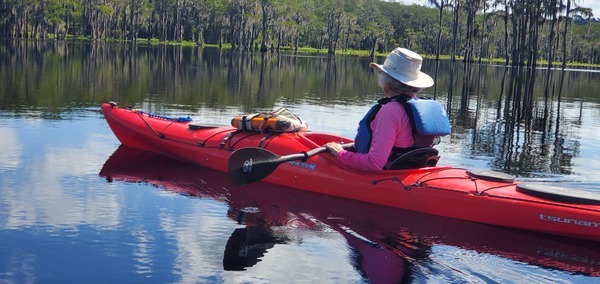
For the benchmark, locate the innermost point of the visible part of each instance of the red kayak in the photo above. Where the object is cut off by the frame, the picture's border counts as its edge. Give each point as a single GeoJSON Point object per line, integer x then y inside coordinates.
{"type": "Point", "coordinates": [294, 159]}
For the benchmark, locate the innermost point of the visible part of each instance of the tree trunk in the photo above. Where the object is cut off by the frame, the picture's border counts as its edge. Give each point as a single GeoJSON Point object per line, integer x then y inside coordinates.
{"type": "Point", "coordinates": [200, 40]}
{"type": "Point", "coordinates": [373, 47]}
{"type": "Point", "coordinates": [469, 36]}
{"type": "Point", "coordinates": [265, 26]}
{"type": "Point", "coordinates": [505, 17]}
{"type": "Point", "coordinates": [131, 27]}
{"type": "Point", "coordinates": [455, 29]}
{"type": "Point", "coordinates": [242, 26]}
{"type": "Point", "coordinates": [439, 35]}
{"type": "Point", "coordinates": [333, 30]}
{"type": "Point", "coordinates": [567, 21]}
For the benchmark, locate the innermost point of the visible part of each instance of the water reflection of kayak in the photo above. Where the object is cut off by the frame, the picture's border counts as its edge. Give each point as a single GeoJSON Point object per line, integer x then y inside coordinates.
{"type": "Point", "coordinates": [378, 234]}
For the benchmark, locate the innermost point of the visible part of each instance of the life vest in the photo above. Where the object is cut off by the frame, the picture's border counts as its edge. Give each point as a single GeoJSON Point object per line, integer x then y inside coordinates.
{"type": "Point", "coordinates": [427, 118]}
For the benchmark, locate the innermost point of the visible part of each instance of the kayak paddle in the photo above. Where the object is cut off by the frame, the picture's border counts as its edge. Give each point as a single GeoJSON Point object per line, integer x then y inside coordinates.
{"type": "Point", "coordinates": [248, 165]}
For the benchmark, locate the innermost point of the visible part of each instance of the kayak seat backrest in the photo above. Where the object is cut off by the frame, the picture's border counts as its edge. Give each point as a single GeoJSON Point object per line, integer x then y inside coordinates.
{"type": "Point", "coordinates": [418, 158]}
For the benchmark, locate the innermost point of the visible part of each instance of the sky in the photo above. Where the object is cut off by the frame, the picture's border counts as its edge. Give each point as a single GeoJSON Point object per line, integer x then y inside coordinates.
{"type": "Point", "coordinates": [594, 4]}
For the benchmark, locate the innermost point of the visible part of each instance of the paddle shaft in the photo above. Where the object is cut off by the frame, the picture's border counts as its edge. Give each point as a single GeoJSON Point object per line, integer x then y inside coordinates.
{"type": "Point", "coordinates": [303, 156]}
{"type": "Point", "coordinates": [248, 165]}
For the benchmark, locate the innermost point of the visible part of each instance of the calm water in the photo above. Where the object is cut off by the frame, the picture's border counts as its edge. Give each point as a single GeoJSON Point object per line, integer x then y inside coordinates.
{"type": "Point", "coordinates": [79, 208]}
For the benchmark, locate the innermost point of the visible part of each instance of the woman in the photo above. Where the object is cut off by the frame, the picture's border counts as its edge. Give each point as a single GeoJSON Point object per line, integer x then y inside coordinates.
{"type": "Point", "coordinates": [399, 77]}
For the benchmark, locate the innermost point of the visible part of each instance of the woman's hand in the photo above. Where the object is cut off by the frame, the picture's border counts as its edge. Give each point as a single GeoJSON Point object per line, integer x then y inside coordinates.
{"type": "Point", "coordinates": [334, 148]}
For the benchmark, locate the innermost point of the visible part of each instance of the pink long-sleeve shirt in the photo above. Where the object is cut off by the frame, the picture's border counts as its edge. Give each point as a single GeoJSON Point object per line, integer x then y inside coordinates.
{"type": "Point", "coordinates": [391, 128]}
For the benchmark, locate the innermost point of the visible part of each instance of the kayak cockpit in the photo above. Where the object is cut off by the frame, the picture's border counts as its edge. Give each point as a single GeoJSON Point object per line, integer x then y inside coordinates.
{"type": "Point", "coordinates": [561, 194]}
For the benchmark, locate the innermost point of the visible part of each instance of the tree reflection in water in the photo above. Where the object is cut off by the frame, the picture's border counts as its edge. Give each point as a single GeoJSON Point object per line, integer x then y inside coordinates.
{"type": "Point", "coordinates": [524, 133]}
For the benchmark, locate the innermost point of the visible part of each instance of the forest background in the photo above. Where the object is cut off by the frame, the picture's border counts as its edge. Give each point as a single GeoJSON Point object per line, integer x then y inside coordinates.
{"type": "Point", "coordinates": [513, 32]}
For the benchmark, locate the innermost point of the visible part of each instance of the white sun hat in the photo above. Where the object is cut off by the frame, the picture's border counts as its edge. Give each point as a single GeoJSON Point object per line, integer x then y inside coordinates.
{"type": "Point", "coordinates": [405, 66]}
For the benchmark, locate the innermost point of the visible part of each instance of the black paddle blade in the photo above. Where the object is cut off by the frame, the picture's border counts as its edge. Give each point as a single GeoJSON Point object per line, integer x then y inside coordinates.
{"type": "Point", "coordinates": [248, 165]}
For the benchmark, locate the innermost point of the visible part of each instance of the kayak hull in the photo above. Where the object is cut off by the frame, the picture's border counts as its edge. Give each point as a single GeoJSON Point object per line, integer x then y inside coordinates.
{"type": "Point", "coordinates": [441, 190]}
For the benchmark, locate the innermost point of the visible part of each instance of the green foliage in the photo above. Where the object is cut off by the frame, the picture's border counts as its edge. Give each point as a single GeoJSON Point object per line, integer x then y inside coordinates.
{"type": "Point", "coordinates": [337, 26]}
